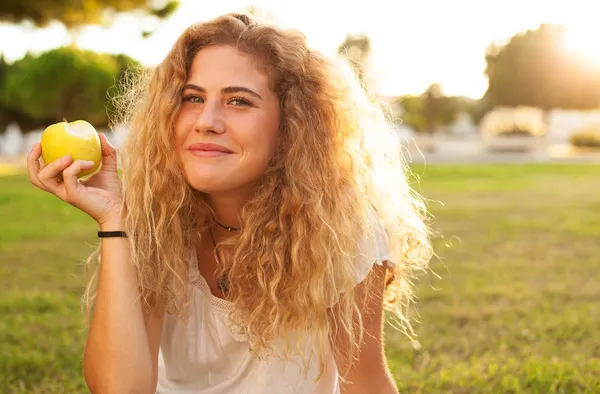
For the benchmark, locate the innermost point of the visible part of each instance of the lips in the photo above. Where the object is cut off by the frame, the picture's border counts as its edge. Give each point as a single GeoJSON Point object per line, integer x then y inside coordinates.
{"type": "Point", "coordinates": [208, 150]}
{"type": "Point", "coordinates": [204, 147]}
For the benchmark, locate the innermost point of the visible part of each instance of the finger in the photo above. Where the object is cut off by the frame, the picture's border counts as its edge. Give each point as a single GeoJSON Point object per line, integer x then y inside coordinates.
{"type": "Point", "coordinates": [70, 179]}
{"type": "Point", "coordinates": [49, 175]}
{"type": "Point", "coordinates": [88, 181]}
{"type": "Point", "coordinates": [42, 163]}
{"type": "Point", "coordinates": [109, 154]}
{"type": "Point", "coordinates": [33, 165]}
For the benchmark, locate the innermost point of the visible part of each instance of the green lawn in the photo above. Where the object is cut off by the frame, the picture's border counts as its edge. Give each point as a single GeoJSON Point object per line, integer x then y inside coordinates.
{"type": "Point", "coordinates": [516, 307]}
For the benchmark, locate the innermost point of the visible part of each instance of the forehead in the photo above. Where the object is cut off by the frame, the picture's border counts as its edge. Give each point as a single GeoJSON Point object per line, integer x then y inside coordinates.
{"type": "Point", "coordinates": [226, 65]}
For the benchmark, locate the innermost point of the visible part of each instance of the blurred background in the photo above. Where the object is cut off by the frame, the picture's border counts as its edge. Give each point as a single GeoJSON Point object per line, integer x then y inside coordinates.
{"type": "Point", "coordinates": [497, 106]}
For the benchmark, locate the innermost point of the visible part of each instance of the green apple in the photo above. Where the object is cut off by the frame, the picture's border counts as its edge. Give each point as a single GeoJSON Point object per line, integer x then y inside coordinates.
{"type": "Point", "coordinates": [78, 139]}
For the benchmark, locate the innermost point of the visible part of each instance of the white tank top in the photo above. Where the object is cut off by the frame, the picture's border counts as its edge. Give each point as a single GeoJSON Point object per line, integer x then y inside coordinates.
{"type": "Point", "coordinates": [207, 354]}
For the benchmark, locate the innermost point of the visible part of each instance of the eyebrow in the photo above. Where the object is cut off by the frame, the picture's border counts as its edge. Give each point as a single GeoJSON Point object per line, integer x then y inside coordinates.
{"type": "Point", "coordinates": [228, 89]}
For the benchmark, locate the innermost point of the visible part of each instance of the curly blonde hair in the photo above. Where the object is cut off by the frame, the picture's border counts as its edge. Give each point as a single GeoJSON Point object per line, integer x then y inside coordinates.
{"type": "Point", "coordinates": [299, 247]}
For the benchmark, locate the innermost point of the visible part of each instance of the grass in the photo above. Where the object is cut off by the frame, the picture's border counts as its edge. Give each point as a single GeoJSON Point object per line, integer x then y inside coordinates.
{"type": "Point", "coordinates": [43, 244]}
{"type": "Point", "coordinates": [515, 308]}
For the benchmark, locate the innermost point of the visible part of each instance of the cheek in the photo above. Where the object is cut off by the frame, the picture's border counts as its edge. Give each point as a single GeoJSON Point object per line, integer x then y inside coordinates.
{"type": "Point", "coordinates": [183, 124]}
{"type": "Point", "coordinates": [271, 130]}
{"type": "Point", "coordinates": [262, 140]}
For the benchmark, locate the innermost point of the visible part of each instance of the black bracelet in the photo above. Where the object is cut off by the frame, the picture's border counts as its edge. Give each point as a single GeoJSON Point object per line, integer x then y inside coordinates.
{"type": "Point", "coordinates": [107, 234]}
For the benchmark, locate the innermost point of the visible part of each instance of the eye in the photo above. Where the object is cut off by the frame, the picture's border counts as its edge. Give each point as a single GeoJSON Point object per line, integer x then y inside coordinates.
{"type": "Point", "coordinates": [193, 99]}
{"type": "Point", "coordinates": [240, 102]}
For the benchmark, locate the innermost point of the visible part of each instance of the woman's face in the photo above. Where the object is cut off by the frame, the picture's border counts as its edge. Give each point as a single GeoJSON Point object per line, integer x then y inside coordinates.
{"type": "Point", "coordinates": [227, 102]}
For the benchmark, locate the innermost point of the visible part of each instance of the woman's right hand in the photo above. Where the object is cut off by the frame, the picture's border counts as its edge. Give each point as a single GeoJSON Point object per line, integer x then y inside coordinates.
{"type": "Point", "coordinates": [99, 195]}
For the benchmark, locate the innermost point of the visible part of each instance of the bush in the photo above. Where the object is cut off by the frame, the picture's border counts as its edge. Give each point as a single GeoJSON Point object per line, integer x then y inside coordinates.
{"type": "Point", "coordinates": [62, 83]}
{"type": "Point", "coordinates": [587, 137]}
{"type": "Point", "coordinates": [516, 139]}
{"type": "Point", "coordinates": [515, 132]}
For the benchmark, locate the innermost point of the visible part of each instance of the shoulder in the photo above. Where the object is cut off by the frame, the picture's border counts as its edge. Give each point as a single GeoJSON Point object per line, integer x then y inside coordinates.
{"type": "Point", "coordinates": [374, 248]}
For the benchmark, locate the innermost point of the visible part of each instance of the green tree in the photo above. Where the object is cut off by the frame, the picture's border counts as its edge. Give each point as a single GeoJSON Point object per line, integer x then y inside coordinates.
{"type": "Point", "coordinates": [412, 112]}
{"type": "Point", "coordinates": [63, 83]}
{"type": "Point", "coordinates": [430, 110]}
{"type": "Point", "coordinates": [532, 69]}
{"type": "Point", "coordinates": [9, 114]}
{"type": "Point", "coordinates": [433, 102]}
{"type": "Point", "coordinates": [74, 13]}
{"type": "Point", "coordinates": [357, 48]}
{"type": "Point", "coordinates": [4, 113]}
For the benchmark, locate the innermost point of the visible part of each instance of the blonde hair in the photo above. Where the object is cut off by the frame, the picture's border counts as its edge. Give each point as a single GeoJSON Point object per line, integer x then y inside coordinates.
{"type": "Point", "coordinates": [299, 247]}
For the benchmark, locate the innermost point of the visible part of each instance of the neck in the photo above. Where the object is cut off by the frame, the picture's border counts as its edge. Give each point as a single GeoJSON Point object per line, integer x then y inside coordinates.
{"type": "Point", "coordinates": [227, 208]}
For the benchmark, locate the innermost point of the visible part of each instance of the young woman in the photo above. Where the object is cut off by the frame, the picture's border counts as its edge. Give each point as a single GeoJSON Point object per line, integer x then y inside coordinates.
{"type": "Point", "coordinates": [262, 224]}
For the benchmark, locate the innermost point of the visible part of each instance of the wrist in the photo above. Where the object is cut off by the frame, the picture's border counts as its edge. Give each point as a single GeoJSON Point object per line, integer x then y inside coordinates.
{"type": "Point", "coordinates": [111, 225]}
{"type": "Point", "coordinates": [112, 234]}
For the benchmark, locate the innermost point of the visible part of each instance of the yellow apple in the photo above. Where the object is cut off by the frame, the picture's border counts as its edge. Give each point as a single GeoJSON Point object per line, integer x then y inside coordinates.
{"type": "Point", "coordinates": [78, 139]}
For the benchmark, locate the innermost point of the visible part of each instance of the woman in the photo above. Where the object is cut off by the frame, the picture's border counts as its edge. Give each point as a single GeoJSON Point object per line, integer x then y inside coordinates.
{"type": "Point", "coordinates": [262, 224]}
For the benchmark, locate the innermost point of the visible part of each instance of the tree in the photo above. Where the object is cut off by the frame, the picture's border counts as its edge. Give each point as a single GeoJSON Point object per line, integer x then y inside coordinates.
{"type": "Point", "coordinates": [412, 112]}
{"type": "Point", "coordinates": [533, 70]}
{"type": "Point", "coordinates": [8, 114]}
{"type": "Point", "coordinates": [62, 83]}
{"type": "Point", "coordinates": [357, 48]}
{"type": "Point", "coordinates": [74, 13]}
{"type": "Point", "coordinates": [433, 106]}
{"type": "Point", "coordinates": [430, 110]}
{"type": "Point", "coordinates": [4, 115]}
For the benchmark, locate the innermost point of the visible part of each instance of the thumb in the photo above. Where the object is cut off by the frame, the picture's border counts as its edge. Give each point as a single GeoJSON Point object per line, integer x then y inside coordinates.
{"type": "Point", "coordinates": [109, 154]}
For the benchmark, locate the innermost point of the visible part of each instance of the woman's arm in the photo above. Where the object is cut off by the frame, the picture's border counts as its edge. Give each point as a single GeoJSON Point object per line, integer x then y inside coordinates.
{"type": "Point", "coordinates": [121, 352]}
{"type": "Point", "coordinates": [370, 373]}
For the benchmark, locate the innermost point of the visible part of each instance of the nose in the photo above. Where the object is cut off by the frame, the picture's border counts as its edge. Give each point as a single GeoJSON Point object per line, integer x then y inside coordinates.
{"type": "Point", "coordinates": [210, 119]}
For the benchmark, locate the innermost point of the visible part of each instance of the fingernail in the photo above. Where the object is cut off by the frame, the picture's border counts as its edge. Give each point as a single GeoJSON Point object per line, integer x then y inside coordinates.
{"type": "Point", "coordinates": [65, 158]}
{"type": "Point", "coordinates": [88, 163]}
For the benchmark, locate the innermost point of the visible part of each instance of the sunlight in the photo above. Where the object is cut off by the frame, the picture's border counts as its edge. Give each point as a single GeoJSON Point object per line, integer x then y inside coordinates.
{"type": "Point", "coordinates": [583, 43]}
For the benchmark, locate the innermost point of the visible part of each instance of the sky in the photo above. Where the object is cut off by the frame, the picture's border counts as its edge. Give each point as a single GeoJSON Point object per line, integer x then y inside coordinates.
{"type": "Point", "coordinates": [414, 43]}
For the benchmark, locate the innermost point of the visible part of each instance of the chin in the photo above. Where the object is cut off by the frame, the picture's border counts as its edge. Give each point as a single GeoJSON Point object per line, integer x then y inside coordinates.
{"type": "Point", "coordinates": [216, 185]}
{"type": "Point", "coordinates": [213, 183]}
{"type": "Point", "coordinates": [209, 187]}
{"type": "Point", "coordinates": [207, 179]}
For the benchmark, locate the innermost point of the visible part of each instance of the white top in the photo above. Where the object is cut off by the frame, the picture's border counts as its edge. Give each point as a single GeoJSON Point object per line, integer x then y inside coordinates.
{"type": "Point", "coordinates": [206, 354]}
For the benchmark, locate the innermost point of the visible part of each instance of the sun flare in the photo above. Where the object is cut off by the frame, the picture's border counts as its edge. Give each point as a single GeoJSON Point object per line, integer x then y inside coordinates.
{"type": "Point", "coordinates": [584, 43]}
